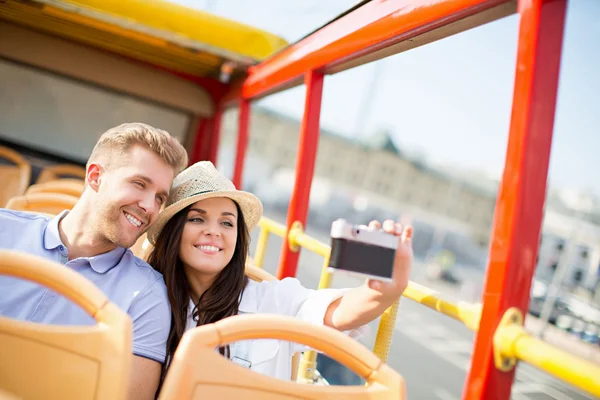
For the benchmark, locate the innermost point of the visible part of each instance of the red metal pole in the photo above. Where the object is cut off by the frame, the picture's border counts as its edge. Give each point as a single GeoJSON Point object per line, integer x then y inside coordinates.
{"type": "Point", "coordinates": [242, 144]}
{"type": "Point", "coordinates": [213, 151]}
{"type": "Point", "coordinates": [305, 164]}
{"type": "Point", "coordinates": [519, 208]}
{"type": "Point", "coordinates": [199, 141]}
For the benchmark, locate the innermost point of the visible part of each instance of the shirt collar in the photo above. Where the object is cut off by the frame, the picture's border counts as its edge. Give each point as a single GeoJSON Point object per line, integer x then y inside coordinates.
{"type": "Point", "coordinates": [51, 235]}
{"type": "Point", "coordinates": [100, 263]}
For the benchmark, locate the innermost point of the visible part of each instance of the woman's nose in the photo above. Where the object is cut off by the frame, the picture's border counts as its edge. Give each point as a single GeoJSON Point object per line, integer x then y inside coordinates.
{"type": "Point", "coordinates": [211, 230]}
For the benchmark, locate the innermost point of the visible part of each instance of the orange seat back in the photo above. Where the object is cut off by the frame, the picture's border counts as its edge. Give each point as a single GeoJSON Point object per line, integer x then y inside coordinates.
{"type": "Point", "coordinates": [47, 203]}
{"type": "Point", "coordinates": [71, 187]}
{"type": "Point", "coordinates": [64, 362]}
{"type": "Point", "coordinates": [14, 178]}
{"type": "Point", "coordinates": [141, 247]}
{"type": "Point", "coordinates": [258, 274]}
{"type": "Point", "coordinates": [61, 171]}
{"type": "Point", "coordinates": [199, 372]}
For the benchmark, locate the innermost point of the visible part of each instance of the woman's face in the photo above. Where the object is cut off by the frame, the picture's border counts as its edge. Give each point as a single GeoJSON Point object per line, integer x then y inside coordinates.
{"type": "Point", "coordinates": [209, 236]}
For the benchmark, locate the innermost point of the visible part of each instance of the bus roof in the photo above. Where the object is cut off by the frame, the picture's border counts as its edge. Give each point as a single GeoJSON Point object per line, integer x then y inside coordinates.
{"type": "Point", "coordinates": [157, 32]}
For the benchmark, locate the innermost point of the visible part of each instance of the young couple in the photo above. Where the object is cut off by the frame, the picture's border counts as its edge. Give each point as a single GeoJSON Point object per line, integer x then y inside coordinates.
{"type": "Point", "coordinates": [195, 272]}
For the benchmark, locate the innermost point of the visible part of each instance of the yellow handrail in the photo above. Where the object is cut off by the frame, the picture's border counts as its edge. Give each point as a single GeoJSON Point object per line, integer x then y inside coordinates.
{"type": "Point", "coordinates": [467, 313]}
{"type": "Point", "coordinates": [511, 341]}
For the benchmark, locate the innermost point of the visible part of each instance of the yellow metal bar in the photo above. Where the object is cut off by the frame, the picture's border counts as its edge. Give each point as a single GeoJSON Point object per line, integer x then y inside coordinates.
{"type": "Point", "coordinates": [326, 277]}
{"type": "Point", "coordinates": [385, 332]}
{"type": "Point", "coordinates": [512, 341]}
{"type": "Point", "coordinates": [307, 367]}
{"type": "Point", "coordinates": [467, 313]}
{"type": "Point", "coordinates": [261, 247]}
{"type": "Point", "coordinates": [273, 227]}
{"type": "Point", "coordinates": [303, 240]}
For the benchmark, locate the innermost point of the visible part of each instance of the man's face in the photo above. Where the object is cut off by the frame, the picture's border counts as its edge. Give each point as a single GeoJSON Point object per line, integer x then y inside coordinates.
{"type": "Point", "coordinates": [130, 195]}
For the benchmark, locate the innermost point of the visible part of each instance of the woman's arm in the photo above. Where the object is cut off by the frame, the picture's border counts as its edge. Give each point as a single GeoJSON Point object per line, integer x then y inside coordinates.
{"type": "Point", "coordinates": [363, 304]}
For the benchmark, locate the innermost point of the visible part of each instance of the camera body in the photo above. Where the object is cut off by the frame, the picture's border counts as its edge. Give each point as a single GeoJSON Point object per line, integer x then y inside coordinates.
{"type": "Point", "coordinates": [361, 251]}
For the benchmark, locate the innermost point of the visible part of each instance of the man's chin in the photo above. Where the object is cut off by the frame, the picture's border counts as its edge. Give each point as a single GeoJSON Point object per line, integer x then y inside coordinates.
{"type": "Point", "coordinates": [127, 243]}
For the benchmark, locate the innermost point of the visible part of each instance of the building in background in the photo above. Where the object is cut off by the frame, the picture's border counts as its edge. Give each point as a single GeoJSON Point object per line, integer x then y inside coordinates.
{"type": "Point", "coordinates": [373, 178]}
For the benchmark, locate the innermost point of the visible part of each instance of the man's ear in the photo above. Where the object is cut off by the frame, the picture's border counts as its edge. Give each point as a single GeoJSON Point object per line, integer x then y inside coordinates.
{"type": "Point", "coordinates": [93, 175]}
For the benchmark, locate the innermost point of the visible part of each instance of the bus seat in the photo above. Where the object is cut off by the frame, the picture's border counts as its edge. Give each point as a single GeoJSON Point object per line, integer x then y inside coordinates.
{"type": "Point", "coordinates": [14, 176]}
{"type": "Point", "coordinates": [141, 248]}
{"type": "Point", "coordinates": [198, 372]}
{"type": "Point", "coordinates": [61, 171]}
{"type": "Point", "coordinates": [4, 395]}
{"type": "Point", "coordinates": [64, 362]}
{"type": "Point", "coordinates": [71, 187]}
{"type": "Point", "coordinates": [258, 274]}
{"type": "Point", "coordinates": [48, 203]}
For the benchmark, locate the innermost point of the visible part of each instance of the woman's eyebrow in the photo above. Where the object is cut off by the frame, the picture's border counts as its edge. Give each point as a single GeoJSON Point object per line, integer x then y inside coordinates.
{"type": "Point", "coordinates": [224, 213]}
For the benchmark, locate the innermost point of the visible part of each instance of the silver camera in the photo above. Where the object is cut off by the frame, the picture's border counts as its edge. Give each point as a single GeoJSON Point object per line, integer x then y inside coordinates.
{"type": "Point", "coordinates": [362, 251]}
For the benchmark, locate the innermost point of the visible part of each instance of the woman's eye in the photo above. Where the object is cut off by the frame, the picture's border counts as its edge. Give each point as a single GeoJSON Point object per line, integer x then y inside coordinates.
{"type": "Point", "coordinates": [140, 184]}
{"type": "Point", "coordinates": [195, 220]}
{"type": "Point", "coordinates": [228, 224]}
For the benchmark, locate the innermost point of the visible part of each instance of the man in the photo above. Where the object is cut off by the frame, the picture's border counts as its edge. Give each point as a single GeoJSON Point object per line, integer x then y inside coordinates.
{"type": "Point", "coordinates": [128, 177]}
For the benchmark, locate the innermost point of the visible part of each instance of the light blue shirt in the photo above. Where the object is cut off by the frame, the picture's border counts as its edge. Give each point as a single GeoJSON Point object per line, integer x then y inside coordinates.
{"type": "Point", "coordinates": [127, 281]}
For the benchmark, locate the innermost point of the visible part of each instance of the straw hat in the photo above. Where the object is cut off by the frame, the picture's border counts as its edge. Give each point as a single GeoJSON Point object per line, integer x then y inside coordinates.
{"type": "Point", "coordinates": [202, 181]}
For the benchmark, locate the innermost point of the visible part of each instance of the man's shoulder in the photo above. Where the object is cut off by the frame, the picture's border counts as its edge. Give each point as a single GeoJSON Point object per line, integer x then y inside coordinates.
{"type": "Point", "coordinates": [17, 225]}
{"type": "Point", "coordinates": [21, 217]}
{"type": "Point", "coordinates": [144, 274]}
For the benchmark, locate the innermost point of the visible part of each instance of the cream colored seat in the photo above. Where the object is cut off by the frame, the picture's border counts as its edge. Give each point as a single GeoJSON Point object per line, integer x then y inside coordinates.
{"type": "Point", "coordinates": [141, 248]}
{"type": "Point", "coordinates": [198, 372]}
{"type": "Point", "coordinates": [14, 178]}
{"type": "Point", "coordinates": [4, 395]}
{"type": "Point", "coordinates": [61, 171]}
{"type": "Point", "coordinates": [48, 203]}
{"type": "Point", "coordinates": [71, 187]}
{"type": "Point", "coordinates": [258, 274]}
{"type": "Point", "coordinates": [64, 362]}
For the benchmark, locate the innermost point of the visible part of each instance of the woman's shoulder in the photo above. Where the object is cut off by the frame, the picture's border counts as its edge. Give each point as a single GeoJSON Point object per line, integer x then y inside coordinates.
{"type": "Point", "coordinates": [272, 291]}
{"type": "Point", "coordinates": [273, 284]}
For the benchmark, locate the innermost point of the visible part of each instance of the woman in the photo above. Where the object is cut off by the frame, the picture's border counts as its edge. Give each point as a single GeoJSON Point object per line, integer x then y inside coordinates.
{"type": "Point", "coordinates": [201, 243]}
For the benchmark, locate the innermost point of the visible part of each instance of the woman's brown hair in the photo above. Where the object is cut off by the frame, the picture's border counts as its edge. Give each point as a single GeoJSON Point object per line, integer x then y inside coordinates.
{"type": "Point", "coordinates": [220, 301]}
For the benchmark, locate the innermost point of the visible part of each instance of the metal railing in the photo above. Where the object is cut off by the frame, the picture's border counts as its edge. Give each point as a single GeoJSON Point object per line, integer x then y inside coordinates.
{"type": "Point", "coordinates": [511, 341]}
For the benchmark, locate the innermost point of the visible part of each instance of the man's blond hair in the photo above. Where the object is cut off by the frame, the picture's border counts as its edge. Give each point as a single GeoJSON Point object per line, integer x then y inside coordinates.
{"type": "Point", "coordinates": [114, 144]}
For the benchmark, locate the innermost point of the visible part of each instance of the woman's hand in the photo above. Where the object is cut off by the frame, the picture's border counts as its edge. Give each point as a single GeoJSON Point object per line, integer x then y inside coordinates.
{"type": "Point", "coordinates": [402, 261]}
{"type": "Point", "coordinates": [363, 304]}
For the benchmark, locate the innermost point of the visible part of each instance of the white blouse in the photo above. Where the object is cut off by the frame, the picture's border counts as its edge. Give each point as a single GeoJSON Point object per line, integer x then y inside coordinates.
{"type": "Point", "coordinates": [286, 297]}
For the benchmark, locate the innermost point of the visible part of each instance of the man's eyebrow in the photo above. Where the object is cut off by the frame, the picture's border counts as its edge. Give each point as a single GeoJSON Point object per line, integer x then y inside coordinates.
{"type": "Point", "coordinates": [143, 177]}
{"type": "Point", "coordinates": [149, 181]}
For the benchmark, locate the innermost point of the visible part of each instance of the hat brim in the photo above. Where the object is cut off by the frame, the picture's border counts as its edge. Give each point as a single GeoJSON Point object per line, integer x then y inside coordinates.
{"type": "Point", "coordinates": [250, 205]}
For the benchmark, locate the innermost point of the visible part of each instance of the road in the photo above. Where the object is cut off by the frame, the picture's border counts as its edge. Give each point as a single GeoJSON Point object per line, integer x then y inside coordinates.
{"type": "Point", "coordinates": [431, 351]}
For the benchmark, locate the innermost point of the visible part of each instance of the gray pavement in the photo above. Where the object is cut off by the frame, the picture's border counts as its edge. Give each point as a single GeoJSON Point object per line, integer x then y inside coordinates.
{"type": "Point", "coordinates": [431, 351]}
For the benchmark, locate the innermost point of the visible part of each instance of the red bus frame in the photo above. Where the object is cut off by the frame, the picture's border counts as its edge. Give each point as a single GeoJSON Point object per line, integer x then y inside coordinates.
{"type": "Point", "coordinates": [382, 28]}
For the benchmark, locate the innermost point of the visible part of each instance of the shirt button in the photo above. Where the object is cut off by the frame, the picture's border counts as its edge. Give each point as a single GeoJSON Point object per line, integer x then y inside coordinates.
{"type": "Point", "coordinates": [61, 248]}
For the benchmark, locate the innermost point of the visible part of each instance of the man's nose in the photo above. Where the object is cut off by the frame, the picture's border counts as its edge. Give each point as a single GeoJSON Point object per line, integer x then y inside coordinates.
{"type": "Point", "coordinates": [149, 206]}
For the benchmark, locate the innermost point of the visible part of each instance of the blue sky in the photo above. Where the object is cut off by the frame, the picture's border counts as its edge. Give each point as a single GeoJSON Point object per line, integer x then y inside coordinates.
{"type": "Point", "coordinates": [451, 100]}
